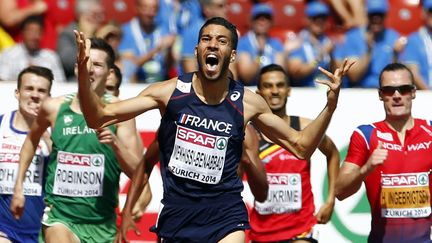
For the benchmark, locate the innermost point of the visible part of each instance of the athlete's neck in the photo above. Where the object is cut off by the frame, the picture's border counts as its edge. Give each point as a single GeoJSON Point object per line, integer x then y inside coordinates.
{"type": "Point", "coordinates": [22, 122]}
{"type": "Point", "coordinates": [400, 125]}
{"type": "Point", "coordinates": [211, 92]}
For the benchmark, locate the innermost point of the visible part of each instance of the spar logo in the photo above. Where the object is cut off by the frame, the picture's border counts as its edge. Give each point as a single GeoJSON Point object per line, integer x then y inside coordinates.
{"type": "Point", "coordinates": [423, 179]}
{"type": "Point", "coordinates": [277, 179]}
{"type": "Point", "coordinates": [80, 159]}
{"type": "Point", "coordinates": [399, 180]}
{"type": "Point", "coordinates": [294, 179]}
{"type": "Point", "coordinates": [97, 160]}
{"type": "Point", "coordinates": [351, 217]}
{"type": "Point", "coordinates": [221, 143]}
{"type": "Point", "coordinates": [9, 157]}
{"type": "Point", "coordinates": [283, 179]}
{"type": "Point", "coordinates": [74, 159]}
{"type": "Point", "coordinates": [198, 138]}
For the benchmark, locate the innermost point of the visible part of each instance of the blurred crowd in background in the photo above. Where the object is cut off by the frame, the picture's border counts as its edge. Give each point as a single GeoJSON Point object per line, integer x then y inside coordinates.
{"type": "Point", "coordinates": [155, 39]}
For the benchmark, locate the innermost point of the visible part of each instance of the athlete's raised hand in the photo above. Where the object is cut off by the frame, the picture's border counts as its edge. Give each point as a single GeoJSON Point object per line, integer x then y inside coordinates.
{"type": "Point", "coordinates": [334, 81]}
{"type": "Point", "coordinates": [83, 55]}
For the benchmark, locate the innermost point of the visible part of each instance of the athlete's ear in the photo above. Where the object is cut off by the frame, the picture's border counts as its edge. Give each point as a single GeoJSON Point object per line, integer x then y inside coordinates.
{"type": "Point", "coordinates": [379, 95]}
{"type": "Point", "coordinates": [233, 55]}
{"type": "Point", "coordinates": [258, 91]}
{"type": "Point", "coordinates": [288, 91]}
{"type": "Point", "coordinates": [413, 94]}
{"type": "Point", "coordinates": [195, 51]}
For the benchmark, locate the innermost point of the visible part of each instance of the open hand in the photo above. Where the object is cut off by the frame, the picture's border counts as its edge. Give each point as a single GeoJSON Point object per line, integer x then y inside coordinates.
{"type": "Point", "coordinates": [334, 81]}
{"type": "Point", "coordinates": [126, 225]}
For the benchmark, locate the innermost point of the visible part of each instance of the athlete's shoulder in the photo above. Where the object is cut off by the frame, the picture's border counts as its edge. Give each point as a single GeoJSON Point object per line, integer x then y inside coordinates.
{"type": "Point", "coordinates": [52, 104]}
{"type": "Point", "coordinates": [423, 121]}
{"type": "Point", "coordinates": [365, 128]}
{"type": "Point", "coordinates": [160, 89]}
{"type": "Point", "coordinates": [254, 101]}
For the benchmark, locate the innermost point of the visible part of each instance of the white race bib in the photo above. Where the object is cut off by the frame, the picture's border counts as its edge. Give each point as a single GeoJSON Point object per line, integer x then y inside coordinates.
{"type": "Point", "coordinates": [9, 170]}
{"type": "Point", "coordinates": [79, 175]}
{"type": "Point", "coordinates": [284, 195]}
{"type": "Point", "coordinates": [198, 156]}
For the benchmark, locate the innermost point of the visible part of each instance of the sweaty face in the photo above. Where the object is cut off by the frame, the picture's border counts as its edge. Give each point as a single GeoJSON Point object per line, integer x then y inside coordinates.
{"type": "Point", "coordinates": [99, 70]}
{"type": "Point", "coordinates": [33, 90]}
{"type": "Point", "coordinates": [214, 51]}
{"type": "Point", "coordinates": [274, 89]}
{"type": "Point", "coordinates": [396, 94]}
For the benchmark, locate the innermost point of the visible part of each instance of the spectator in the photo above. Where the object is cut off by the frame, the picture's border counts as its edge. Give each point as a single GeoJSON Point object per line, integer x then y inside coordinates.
{"type": "Point", "coordinates": [210, 9]}
{"type": "Point", "coordinates": [145, 50]}
{"type": "Point", "coordinates": [256, 48]}
{"type": "Point", "coordinates": [372, 47]}
{"type": "Point", "coordinates": [315, 50]}
{"type": "Point", "coordinates": [89, 17]}
{"type": "Point", "coordinates": [418, 52]}
{"type": "Point", "coordinates": [14, 12]}
{"type": "Point", "coordinates": [29, 53]}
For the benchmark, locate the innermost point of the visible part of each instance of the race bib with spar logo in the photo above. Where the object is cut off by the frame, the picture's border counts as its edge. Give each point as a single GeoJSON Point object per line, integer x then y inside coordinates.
{"type": "Point", "coordinates": [79, 175]}
{"type": "Point", "coordinates": [9, 170]}
{"type": "Point", "coordinates": [405, 195]}
{"type": "Point", "coordinates": [198, 156]}
{"type": "Point", "coordinates": [284, 195]}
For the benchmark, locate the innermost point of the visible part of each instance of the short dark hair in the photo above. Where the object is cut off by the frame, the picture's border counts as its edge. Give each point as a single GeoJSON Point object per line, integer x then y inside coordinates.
{"type": "Point", "coordinates": [33, 19]}
{"type": "Point", "coordinates": [396, 67]}
{"type": "Point", "coordinates": [225, 23]}
{"type": "Point", "coordinates": [102, 45]}
{"type": "Point", "coordinates": [39, 71]}
{"type": "Point", "coordinates": [118, 74]}
{"type": "Point", "coordinates": [272, 68]}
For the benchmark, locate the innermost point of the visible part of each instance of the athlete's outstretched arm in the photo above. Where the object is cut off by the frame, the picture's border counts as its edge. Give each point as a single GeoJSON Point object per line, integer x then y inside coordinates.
{"type": "Point", "coordinates": [38, 128]}
{"type": "Point", "coordinates": [301, 143]}
{"type": "Point", "coordinates": [98, 114]}
{"type": "Point", "coordinates": [252, 165]}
